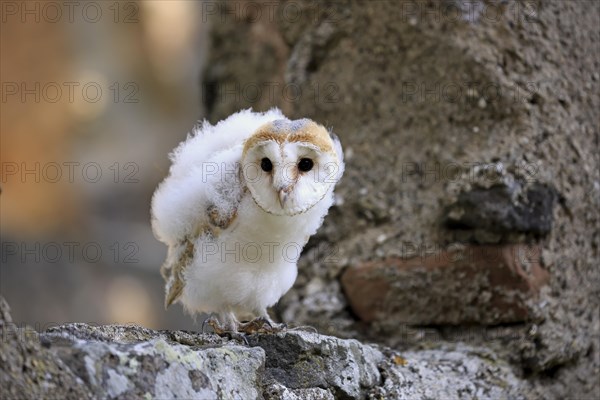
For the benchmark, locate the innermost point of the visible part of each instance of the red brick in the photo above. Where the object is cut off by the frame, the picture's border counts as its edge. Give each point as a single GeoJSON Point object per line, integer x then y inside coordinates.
{"type": "Point", "coordinates": [483, 284]}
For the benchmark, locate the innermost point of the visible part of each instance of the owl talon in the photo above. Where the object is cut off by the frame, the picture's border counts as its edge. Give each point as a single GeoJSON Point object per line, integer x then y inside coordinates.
{"type": "Point", "coordinates": [275, 327]}
{"type": "Point", "coordinates": [214, 323]}
{"type": "Point", "coordinates": [261, 325]}
{"type": "Point", "coordinates": [218, 328]}
{"type": "Point", "coordinates": [240, 337]}
{"type": "Point", "coordinates": [222, 331]}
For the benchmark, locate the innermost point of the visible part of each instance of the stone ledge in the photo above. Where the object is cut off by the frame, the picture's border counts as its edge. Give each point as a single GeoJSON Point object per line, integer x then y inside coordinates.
{"type": "Point", "coordinates": [116, 362]}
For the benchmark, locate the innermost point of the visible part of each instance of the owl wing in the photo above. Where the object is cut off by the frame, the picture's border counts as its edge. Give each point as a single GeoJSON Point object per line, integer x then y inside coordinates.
{"type": "Point", "coordinates": [178, 258]}
{"type": "Point", "coordinates": [217, 217]}
{"type": "Point", "coordinates": [180, 255]}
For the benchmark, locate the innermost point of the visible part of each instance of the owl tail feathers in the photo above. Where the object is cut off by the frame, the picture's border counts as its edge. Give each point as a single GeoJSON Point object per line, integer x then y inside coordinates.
{"type": "Point", "coordinates": [178, 258]}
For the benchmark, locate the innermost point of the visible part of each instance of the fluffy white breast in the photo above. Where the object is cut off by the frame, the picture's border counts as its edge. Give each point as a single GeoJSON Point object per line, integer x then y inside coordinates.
{"type": "Point", "coordinates": [252, 264]}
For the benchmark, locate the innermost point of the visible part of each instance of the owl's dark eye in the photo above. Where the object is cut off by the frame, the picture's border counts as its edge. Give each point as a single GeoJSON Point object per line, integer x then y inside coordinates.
{"type": "Point", "coordinates": [266, 165]}
{"type": "Point", "coordinates": [305, 164]}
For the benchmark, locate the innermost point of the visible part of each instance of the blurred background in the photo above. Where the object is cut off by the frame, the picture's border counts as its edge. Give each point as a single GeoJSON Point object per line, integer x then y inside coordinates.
{"type": "Point", "coordinates": [468, 126]}
{"type": "Point", "coordinates": [94, 96]}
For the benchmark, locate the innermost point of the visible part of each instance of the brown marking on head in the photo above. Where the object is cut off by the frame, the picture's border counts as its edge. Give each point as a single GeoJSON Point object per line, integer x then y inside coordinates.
{"type": "Point", "coordinates": [314, 134]}
{"type": "Point", "coordinates": [281, 131]}
{"type": "Point", "coordinates": [263, 134]}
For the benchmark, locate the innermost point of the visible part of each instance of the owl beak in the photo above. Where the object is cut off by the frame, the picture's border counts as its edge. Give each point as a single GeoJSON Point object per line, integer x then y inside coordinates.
{"type": "Point", "coordinates": [283, 197]}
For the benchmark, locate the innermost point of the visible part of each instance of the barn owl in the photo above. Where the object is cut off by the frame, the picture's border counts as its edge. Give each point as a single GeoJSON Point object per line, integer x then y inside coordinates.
{"type": "Point", "coordinates": [240, 202]}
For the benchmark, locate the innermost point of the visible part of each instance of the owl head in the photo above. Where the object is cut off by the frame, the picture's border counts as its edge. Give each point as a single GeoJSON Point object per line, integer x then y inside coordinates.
{"type": "Point", "coordinates": [289, 166]}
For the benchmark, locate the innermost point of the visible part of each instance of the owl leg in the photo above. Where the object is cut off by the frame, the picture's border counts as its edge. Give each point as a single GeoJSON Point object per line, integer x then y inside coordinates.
{"type": "Point", "coordinates": [225, 323]}
{"type": "Point", "coordinates": [274, 326]}
{"type": "Point", "coordinates": [262, 324]}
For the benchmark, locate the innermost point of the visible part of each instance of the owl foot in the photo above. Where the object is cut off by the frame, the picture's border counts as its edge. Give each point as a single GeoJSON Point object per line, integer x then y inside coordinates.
{"type": "Point", "coordinates": [214, 323]}
{"type": "Point", "coordinates": [240, 337]}
{"type": "Point", "coordinates": [222, 331]}
{"type": "Point", "coordinates": [261, 325]}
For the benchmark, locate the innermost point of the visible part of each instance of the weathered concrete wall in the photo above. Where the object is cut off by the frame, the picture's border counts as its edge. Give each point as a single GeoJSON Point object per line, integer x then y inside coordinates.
{"type": "Point", "coordinates": [464, 124]}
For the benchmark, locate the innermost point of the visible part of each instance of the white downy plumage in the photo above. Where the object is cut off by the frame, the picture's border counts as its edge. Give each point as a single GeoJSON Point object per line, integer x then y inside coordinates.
{"type": "Point", "coordinates": [242, 198]}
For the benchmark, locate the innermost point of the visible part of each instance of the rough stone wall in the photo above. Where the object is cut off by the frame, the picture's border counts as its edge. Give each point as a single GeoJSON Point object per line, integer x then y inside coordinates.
{"type": "Point", "coordinates": [465, 124]}
{"type": "Point", "coordinates": [80, 361]}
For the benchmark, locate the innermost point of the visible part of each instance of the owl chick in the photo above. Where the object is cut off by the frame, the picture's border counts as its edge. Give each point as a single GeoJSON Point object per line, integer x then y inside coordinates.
{"type": "Point", "coordinates": [241, 200]}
